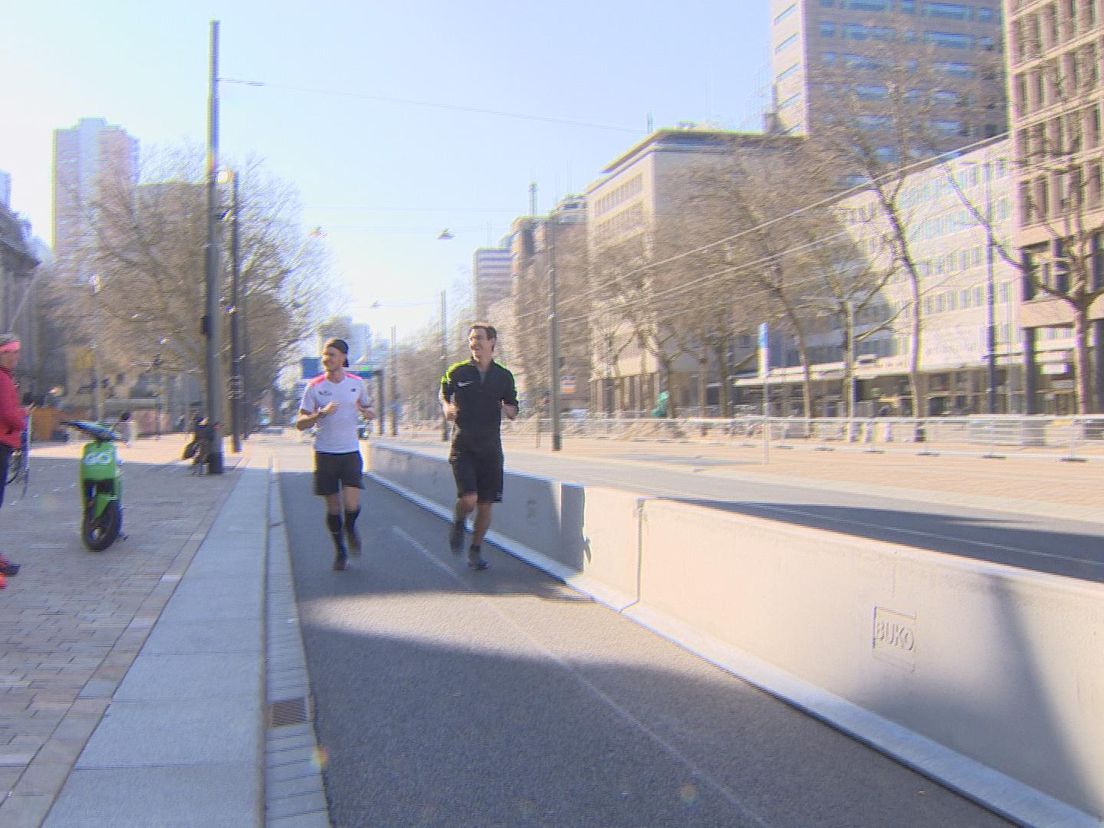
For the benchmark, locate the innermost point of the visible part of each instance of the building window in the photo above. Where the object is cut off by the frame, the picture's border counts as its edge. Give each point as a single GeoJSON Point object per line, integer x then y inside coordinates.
{"type": "Point", "coordinates": [856, 31]}
{"type": "Point", "coordinates": [958, 70]}
{"type": "Point", "coordinates": [870, 92]}
{"type": "Point", "coordinates": [873, 122]}
{"type": "Point", "coordinates": [947, 126]}
{"type": "Point", "coordinates": [827, 29]}
{"type": "Point", "coordinates": [785, 73]}
{"type": "Point", "coordinates": [789, 41]}
{"type": "Point", "coordinates": [782, 15]}
{"type": "Point", "coordinates": [790, 101]}
{"type": "Point", "coordinates": [949, 40]}
{"type": "Point", "coordinates": [951, 11]}
{"type": "Point", "coordinates": [1019, 94]}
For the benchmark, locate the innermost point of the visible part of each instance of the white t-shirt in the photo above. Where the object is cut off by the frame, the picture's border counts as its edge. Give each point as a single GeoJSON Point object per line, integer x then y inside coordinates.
{"type": "Point", "coordinates": [336, 433]}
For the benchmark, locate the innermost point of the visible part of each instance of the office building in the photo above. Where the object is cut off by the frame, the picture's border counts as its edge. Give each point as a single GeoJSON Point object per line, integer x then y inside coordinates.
{"type": "Point", "coordinates": [630, 210]}
{"type": "Point", "coordinates": [951, 51]}
{"type": "Point", "coordinates": [89, 159]}
{"type": "Point", "coordinates": [490, 278]}
{"type": "Point", "coordinates": [544, 248]}
{"type": "Point", "coordinates": [1057, 100]}
{"type": "Point", "coordinates": [962, 290]}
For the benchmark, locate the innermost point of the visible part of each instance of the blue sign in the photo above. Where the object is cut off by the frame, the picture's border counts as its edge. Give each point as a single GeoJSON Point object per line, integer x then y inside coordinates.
{"type": "Point", "coordinates": [310, 367]}
{"type": "Point", "coordinates": [764, 350]}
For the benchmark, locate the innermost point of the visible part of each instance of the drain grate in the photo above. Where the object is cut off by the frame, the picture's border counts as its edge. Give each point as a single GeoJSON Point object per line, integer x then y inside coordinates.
{"type": "Point", "coordinates": [287, 712]}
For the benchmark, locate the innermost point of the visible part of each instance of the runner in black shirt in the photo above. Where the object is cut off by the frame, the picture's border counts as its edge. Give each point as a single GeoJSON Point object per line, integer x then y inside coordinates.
{"type": "Point", "coordinates": [474, 395]}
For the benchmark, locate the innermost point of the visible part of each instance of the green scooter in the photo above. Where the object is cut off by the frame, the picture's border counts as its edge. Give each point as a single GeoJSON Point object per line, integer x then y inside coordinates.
{"type": "Point", "coordinates": [101, 484]}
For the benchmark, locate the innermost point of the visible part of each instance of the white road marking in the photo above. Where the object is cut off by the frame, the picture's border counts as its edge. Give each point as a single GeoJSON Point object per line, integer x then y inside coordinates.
{"type": "Point", "coordinates": [620, 711]}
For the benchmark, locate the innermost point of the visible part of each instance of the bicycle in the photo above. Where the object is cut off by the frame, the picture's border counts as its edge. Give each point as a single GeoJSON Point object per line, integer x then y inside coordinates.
{"type": "Point", "coordinates": [19, 465]}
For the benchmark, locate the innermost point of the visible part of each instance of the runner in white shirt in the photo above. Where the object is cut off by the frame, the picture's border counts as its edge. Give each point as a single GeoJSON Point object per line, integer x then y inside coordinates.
{"type": "Point", "coordinates": [334, 401]}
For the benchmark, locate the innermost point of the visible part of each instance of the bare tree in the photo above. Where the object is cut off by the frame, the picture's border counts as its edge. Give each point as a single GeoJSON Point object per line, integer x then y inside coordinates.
{"type": "Point", "coordinates": [146, 261]}
{"type": "Point", "coordinates": [916, 105]}
{"type": "Point", "coordinates": [626, 286]}
{"type": "Point", "coordinates": [752, 217]}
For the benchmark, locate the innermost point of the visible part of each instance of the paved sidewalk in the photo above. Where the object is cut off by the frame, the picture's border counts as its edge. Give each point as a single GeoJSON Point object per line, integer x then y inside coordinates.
{"type": "Point", "coordinates": [75, 622]}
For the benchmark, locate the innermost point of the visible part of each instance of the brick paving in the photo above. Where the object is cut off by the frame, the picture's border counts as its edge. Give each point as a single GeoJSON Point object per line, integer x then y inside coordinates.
{"type": "Point", "coordinates": [72, 621]}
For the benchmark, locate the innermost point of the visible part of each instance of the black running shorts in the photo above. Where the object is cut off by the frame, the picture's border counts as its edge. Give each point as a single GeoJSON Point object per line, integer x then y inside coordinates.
{"type": "Point", "coordinates": [479, 472]}
{"type": "Point", "coordinates": [331, 471]}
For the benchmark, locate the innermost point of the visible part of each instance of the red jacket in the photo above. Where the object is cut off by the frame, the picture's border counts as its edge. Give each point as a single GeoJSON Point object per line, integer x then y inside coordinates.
{"type": "Point", "coordinates": [13, 419]}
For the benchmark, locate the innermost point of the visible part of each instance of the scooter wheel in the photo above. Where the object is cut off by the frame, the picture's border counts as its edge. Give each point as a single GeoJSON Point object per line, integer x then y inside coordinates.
{"type": "Point", "coordinates": [99, 533]}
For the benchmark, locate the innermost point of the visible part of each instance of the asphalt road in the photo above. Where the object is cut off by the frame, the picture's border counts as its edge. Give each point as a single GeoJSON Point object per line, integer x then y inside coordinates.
{"type": "Point", "coordinates": [1054, 545]}
{"type": "Point", "coordinates": [447, 697]}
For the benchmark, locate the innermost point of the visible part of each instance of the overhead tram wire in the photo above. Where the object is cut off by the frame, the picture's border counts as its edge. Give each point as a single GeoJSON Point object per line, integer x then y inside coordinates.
{"type": "Point", "coordinates": [858, 189]}
{"type": "Point", "coordinates": [835, 197]}
{"type": "Point", "coordinates": [710, 277]}
{"type": "Point", "coordinates": [499, 113]}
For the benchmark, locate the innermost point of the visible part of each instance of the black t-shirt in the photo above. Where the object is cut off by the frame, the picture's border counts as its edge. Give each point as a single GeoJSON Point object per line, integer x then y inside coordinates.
{"type": "Point", "coordinates": [479, 399]}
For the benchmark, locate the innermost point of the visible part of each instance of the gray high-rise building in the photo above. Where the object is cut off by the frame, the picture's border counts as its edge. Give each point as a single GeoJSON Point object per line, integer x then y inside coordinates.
{"type": "Point", "coordinates": [824, 49]}
{"type": "Point", "coordinates": [491, 280]}
{"type": "Point", "coordinates": [87, 158]}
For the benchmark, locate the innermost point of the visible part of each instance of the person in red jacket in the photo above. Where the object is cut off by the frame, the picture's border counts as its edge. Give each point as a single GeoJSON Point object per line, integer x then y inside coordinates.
{"type": "Point", "coordinates": [13, 419]}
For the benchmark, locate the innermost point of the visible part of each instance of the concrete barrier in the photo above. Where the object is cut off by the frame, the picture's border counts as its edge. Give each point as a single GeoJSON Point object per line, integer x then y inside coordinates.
{"type": "Point", "coordinates": [586, 536]}
{"type": "Point", "coordinates": [987, 677]}
{"type": "Point", "coordinates": [1000, 665]}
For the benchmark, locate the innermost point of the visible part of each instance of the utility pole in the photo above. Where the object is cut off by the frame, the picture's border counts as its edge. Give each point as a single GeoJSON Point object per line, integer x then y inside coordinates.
{"type": "Point", "coordinates": [553, 335]}
{"type": "Point", "coordinates": [394, 386]}
{"type": "Point", "coordinates": [213, 319]}
{"type": "Point", "coordinates": [990, 323]}
{"type": "Point", "coordinates": [444, 363]}
{"type": "Point", "coordinates": [235, 323]}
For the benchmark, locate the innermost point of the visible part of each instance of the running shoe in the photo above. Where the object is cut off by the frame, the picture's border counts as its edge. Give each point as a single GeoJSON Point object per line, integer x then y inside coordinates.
{"type": "Point", "coordinates": [7, 567]}
{"type": "Point", "coordinates": [456, 537]}
{"type": "Point", "coordinates": [354, 541]}
{"type": "Point", "coordinates": [340, 560]}
{"type": "Point", "coordinates": [475, 560]}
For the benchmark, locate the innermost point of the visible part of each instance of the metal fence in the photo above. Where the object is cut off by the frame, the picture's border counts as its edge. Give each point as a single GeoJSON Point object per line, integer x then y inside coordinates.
{"type": "Point", "coordinates": [1068, 438]}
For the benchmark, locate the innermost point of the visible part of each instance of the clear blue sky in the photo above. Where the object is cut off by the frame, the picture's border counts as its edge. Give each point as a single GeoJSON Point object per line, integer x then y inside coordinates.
{"type": "Point", "coordinates": [341, 116]}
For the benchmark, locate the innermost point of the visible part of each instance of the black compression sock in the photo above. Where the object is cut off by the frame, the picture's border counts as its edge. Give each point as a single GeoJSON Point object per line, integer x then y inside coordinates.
{"type": "Point", "coordinates": [351, 519]}
{"type": "Point", "coordinates": [333, 522]}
